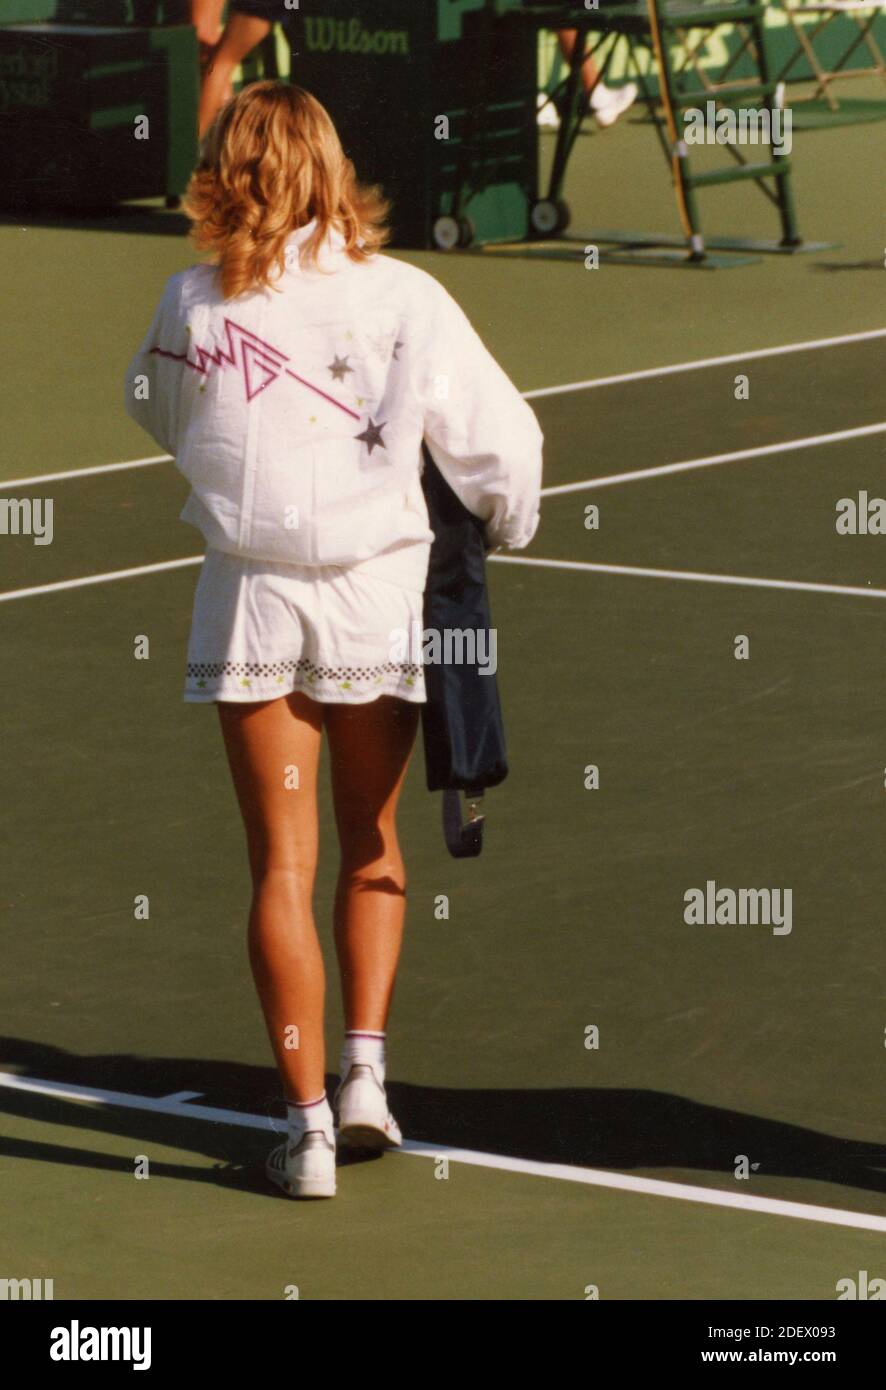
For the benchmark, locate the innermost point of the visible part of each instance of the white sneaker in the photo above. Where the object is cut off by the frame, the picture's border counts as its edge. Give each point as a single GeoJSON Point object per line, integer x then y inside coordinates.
{"type": "Point", "coordinates": [306, 1169]}
{"type": "Point", "coordinates": [614, 104]}
{"type": "Point", "coordinates": [548, 115]}
{"type": "Point", "coordinates": [364, 1120]}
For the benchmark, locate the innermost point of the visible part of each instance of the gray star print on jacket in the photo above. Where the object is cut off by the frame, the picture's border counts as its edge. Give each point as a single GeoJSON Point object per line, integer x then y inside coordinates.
{"type": "Point", "coordinates": [372, 435]}
{"type": "Point", "coordinates": [339, 368]}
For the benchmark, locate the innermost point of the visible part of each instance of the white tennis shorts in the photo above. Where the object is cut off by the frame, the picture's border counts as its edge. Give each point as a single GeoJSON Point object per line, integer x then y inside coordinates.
{"type": "Point", "coordinates": [261, 630]}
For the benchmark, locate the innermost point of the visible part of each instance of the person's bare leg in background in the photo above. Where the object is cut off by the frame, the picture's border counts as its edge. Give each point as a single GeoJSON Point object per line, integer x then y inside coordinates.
{"type": "Point", "coordinates": [241, 35]}
{"type": "Point", "coordinates": [607, 103]}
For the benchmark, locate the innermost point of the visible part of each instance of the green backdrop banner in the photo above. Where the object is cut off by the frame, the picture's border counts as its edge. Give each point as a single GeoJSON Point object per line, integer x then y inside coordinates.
{"type": "Point", "coordinates": [830, 45]}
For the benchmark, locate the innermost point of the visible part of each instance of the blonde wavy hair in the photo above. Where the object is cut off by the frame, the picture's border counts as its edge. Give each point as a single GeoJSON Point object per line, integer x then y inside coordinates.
{"type": "Point", "coordinates": [270, 163]}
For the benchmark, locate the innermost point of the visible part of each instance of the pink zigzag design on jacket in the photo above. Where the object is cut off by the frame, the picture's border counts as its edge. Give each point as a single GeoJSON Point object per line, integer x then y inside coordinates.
{"type": "Point", "coordinates": [260, 363]}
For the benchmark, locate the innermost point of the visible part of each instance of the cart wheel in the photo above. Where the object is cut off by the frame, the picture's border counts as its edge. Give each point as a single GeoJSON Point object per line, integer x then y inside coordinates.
{"type": "Point", "coordinates": [449, 232]}
{"type": "Point", "coordinates": [548, 217]}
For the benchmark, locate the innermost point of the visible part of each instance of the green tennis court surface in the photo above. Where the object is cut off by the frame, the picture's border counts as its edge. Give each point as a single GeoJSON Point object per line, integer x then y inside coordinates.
{"type": "Point", "coordinates": [126, 1038]}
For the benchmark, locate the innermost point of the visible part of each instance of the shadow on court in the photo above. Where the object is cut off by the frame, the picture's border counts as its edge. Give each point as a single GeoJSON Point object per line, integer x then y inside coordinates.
{"type": "Point", "coordinates": [612, 1128]}
{"type": "Point", "coordinates": [137, 219]}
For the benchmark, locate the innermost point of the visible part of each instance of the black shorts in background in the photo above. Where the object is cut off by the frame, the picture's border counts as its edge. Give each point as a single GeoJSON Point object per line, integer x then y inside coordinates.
{"type": "Point", "coordinates": [272, 10]}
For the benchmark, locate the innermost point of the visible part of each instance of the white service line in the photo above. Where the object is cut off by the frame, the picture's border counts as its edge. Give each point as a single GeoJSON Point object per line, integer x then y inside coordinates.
{"type": "Point", "coordinates": [61, 584]}
{"type": "Point", "coordinates": [643, 375]}
{"type": "Point", "coordinates": [636, 474]}
{"type": "Point", "coordinates": [564, 1172]}
{"type": "Point", "coordinates": [40, 478]}
{"type": "Point", "coordinates": [740, 580]}
{"type": "Point", "coordinates": [698, 578]}
{"type": "Point", "coordinates": [703, 362]}
{"type": "Point", "coordinates": [759, 451]}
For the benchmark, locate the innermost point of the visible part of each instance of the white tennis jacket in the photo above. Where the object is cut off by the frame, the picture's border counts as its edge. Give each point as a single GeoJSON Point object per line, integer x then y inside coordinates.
{"type": "Point", "coordinates": [297, 413]}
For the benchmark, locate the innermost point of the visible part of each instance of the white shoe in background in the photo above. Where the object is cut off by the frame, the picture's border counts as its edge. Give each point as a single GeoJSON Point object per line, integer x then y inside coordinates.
{"type": "Point", "coordinates": [608, 103]}
{"type": "Point", "coordinates": [548, 115]}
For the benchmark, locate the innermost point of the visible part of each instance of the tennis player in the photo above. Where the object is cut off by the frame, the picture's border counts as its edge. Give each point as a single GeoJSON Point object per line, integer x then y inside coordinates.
{"type": "Point", "coordinates": [294, 379]}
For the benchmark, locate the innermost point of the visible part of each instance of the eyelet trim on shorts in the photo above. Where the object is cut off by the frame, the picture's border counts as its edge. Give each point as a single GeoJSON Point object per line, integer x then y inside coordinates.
{"type": "Point", "coordinates": [343, 677]}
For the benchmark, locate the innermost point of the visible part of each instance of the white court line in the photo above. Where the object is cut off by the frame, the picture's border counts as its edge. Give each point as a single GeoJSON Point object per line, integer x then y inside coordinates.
{"type": "Point", "coordinates": [61, 584]}
{"type": "Point", "coordinates": [703, 362]}
{"type": "Point", "coordinates": [747, 581]}
{"type": "Point", "coordinates": [659, 470]}
{"type": "Point", "coordinates": [759, 451]}
{"type": "Point", "coordinates": [643, 375]}
{"type": "Point", "coordinates": [564, 1172]}
{"type": "Point", "coordinates": [698, 578]}
{"type": "Point", "coordinates": [86, 472]}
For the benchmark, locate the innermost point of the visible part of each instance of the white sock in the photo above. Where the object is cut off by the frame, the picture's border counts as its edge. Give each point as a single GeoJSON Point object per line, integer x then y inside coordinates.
{"type": "Point", "coordinates": [310, 1114]}
{"type": "Point", "coordinates": [366, 1047]}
